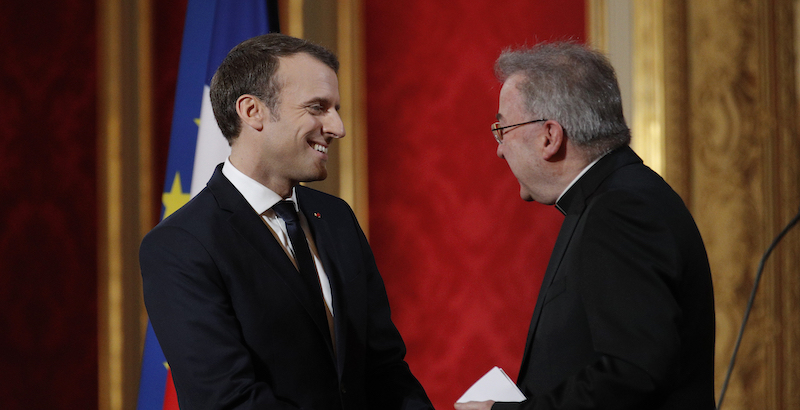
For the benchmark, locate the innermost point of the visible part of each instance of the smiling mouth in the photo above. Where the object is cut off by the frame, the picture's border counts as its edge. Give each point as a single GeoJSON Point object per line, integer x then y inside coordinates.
{"type": "Point", "coordinates": [321, 148]}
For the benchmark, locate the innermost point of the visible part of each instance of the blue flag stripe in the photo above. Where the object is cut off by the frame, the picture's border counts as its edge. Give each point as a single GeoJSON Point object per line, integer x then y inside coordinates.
{"type": "Point", "coordinates": [189, 91]}
{"type": "Point", "coordinates": [152, 367]}
{"type": "Point", "coordinates": [250, 20]}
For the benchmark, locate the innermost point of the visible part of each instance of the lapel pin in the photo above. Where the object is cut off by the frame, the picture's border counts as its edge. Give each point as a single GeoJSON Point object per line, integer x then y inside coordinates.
{"type": "Point", "coordinates": [318, 215]}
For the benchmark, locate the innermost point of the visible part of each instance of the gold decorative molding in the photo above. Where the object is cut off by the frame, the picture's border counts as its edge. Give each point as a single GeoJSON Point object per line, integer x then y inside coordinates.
{"type": "Point", "coordinates": [597, 24]}
{"type": "Point", "coordinates": [742, 109]}
{"type": "Point", "coordinates": [648, 83]}
{"type": "Point", "coordinates": [338, 25]}
{"type": "Point", "coordinates": [353, 184]}
{"type": "Point", "coordinates": [124, 191]}
{"type": "Point", "coordinates": [677, 165]}
{"type": "Point", "coordinates": [631, 34]}
{"type": "Point", "coordinates": [291, 17]}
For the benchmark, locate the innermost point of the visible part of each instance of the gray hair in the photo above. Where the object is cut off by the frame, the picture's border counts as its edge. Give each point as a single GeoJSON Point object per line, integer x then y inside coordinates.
{"type": "Point", "coordinates": [574, 85]}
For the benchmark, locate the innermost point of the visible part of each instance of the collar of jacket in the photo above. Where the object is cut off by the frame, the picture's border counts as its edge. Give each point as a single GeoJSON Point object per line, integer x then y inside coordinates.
{"type": "Point", "coordinates": [574, 200]}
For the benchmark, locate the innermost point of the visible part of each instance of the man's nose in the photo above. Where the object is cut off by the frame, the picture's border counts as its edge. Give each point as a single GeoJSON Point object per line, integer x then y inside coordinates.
{"type": "Point", "coordinates": [333, 126]}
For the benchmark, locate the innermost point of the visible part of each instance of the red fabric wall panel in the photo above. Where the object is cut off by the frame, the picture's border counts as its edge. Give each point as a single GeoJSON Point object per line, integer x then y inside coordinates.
{"type": "Point", "coordinates": [461, 254]}
{"type": "Point", "coordinates": [48, 223]}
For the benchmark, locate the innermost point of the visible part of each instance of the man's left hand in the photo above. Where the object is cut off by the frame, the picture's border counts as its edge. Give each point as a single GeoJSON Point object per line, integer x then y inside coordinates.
{"type": "Point", "coordinates": [474, 405]}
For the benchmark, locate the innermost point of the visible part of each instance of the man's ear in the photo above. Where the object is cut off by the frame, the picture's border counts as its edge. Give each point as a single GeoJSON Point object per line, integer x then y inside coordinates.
{"type": "Point", "coordinates": [554, 142]}
{"type": "Point", "coordinates": [252, 111]}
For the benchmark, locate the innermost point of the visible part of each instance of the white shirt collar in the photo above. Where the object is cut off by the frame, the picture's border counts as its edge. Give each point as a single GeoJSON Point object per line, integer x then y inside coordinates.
{"type": "Point", "coordinates": [258, 196]}
{"type": "Point", "coordinates": [577, 177]}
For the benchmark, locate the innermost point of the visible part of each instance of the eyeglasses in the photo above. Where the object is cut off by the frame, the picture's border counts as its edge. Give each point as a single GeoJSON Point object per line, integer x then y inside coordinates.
{"type": "Point", "coordinates": [497, 130]}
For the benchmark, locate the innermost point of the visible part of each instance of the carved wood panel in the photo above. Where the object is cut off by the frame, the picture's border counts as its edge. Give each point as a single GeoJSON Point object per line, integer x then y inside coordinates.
{"type": "Point", "coordinates": [743, 153]}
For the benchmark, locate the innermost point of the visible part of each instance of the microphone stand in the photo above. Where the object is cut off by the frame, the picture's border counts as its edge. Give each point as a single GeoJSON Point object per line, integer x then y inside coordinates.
{"type": "Point", "coordinates": [750, 303]}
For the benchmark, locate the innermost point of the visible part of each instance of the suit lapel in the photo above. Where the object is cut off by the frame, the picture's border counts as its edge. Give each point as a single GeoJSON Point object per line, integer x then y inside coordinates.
{"type": "Point", "coordinates": [256, 233]}
{"type": "Point", "coordinates": [326, 247]}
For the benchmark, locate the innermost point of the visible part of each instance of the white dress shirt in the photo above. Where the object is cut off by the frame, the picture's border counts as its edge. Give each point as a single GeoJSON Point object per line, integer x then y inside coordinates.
{"type": "Point", "coordinates": [262, 199]}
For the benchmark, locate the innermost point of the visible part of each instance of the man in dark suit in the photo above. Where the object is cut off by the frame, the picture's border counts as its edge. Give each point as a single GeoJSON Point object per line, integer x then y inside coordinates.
{"type": "Point", "coordinates": [625, 315]}
{"type": "Point", "coordinates": [264, 294]}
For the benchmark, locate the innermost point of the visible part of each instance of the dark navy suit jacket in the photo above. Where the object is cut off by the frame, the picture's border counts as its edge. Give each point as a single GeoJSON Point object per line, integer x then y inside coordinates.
{"type": "Point", "coordinates": [239, 329]}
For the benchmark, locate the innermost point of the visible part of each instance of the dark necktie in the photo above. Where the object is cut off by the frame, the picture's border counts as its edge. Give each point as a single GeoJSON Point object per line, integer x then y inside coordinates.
{"type": "Point", "coordinates": [302, 255]}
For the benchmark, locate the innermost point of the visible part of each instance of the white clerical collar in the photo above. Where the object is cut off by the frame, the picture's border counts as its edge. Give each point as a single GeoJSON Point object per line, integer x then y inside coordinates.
{"type": "Point", "coordinates": [580, 174]}
{"type": "Point", "coordinates": [258, 196]}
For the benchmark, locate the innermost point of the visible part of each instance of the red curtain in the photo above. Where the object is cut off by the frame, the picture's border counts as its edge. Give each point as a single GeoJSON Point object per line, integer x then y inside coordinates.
{"type": "Point", "coordinates": [48, 222]}
{"type": "Point", "coordinates": [48, 210]}
{"type": "Point", "coordinates": [461, 254]}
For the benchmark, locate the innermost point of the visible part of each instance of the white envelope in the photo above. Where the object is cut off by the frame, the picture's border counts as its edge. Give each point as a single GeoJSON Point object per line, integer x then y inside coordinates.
{"type": "Point", "coordinates": [495, 385]}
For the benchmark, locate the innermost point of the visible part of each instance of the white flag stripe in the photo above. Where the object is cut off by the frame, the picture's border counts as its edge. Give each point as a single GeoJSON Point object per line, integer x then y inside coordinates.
{"type": "Point", "coordinates": [212, 148]}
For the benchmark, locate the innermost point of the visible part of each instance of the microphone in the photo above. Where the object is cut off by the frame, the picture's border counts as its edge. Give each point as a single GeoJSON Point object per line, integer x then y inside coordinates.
{"type": "Point", "coordinates": [747, 310]}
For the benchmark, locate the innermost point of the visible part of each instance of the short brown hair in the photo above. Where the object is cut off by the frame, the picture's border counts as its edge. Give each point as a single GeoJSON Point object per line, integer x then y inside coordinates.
{"type": "Point", "coordinates": [250, 69]}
